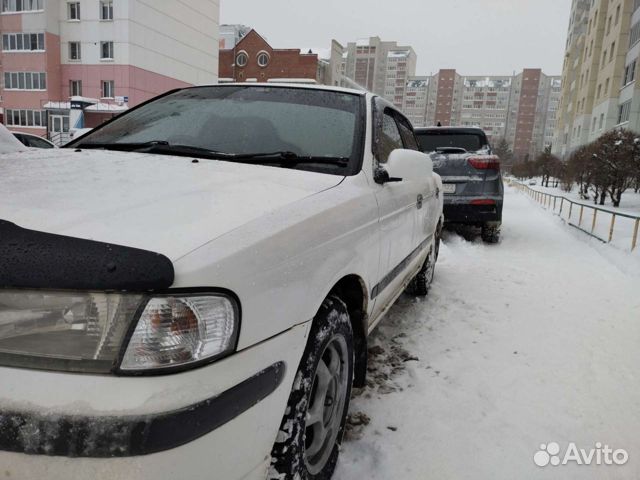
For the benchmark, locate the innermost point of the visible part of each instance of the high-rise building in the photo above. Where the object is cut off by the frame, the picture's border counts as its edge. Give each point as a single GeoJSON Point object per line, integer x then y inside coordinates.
{"type": "Point", "coordinates": [518, 108]}
{"type": "Point", "coordinates": [380, 67]}
{"type": "Point", "coordinates": [598, 71]}
{"type": "Point", "coordinates": [416, 99]}
{"type": "Point", "coordinates": [73, 64]}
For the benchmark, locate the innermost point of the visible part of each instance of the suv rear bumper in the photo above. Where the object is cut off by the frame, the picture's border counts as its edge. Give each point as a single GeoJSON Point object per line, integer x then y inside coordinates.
{"type": "Point", "coordinates": [472, 210]}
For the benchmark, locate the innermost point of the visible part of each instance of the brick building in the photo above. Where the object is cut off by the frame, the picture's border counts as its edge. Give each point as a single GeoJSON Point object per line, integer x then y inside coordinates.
{"type": "Point", "coordinates": [253, 59]}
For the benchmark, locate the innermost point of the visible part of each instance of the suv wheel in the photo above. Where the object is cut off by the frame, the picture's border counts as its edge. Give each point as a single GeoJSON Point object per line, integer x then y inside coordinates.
{"type": "Point", "coordinates": [490, 233]}
{"type": "Point", "coordinates": [310, 435]}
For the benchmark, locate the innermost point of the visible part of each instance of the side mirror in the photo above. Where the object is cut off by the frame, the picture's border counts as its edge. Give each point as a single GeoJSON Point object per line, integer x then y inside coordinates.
{"type": "Point", "coordinates": [405, 165]}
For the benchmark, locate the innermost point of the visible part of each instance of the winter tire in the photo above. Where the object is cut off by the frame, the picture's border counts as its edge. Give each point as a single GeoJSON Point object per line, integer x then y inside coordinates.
{"type": "Point", "coordinates": [490, 233]}
{"type": "Point", "coordinates": [310, 435]}
{"type": "Point", "coordinates": [421, 283]}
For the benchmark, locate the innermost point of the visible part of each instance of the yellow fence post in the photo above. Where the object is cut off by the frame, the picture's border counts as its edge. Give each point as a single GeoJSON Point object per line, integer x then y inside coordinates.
{"type": "Point", "coordinates": [634, 242]}
{"type": "Point", "coordinates": [581, 212]}
{"type": "Point", "coordinates": [595, 217]}
{"type": "Point", "coordinates": [613, 224]}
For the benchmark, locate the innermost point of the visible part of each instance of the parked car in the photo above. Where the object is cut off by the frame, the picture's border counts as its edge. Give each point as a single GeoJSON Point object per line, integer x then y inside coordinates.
{"type": "Point", "coordinates": [532, 182]}
{"type": "Point", "coordinates": [34, 141]}
{"type": "Point", "coordinates": [472, 184]}
{"type": "Point", "coordinates": [191, 294]}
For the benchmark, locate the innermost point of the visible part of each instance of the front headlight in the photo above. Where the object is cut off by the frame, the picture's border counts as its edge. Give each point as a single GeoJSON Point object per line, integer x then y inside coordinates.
{"type": "Point", "coordinates": [89, 331]}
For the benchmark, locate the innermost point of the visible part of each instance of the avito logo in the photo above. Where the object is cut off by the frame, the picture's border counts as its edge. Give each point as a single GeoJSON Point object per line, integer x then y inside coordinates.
{"type": "Point", "coordinates": [549, 454]}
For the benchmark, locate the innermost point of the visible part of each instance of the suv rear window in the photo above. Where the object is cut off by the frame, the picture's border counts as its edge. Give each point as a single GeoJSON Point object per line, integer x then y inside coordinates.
{"type": "Point", "coordinates": [430, 141]}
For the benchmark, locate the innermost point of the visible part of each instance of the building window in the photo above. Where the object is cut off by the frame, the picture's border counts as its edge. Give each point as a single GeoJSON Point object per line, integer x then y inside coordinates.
{"type": "Point", "coordinates": [106, 10]}
{"type": "Point", "coordinates": [73, 11]}
{"type": "Point", "coordinates": [108, 89]}
{"type": "Point", "coordinates": [75, 88]}
{"type": "Point", "coordinates": [601, 121]}
{"type": "Point", "coordinates": [617, 14]}
{"type": "Point", "coordinates": [241, 59]}
{"type": "Point", "coordinates": [25, 118]}
{"type": "Point", "coordinates": [74, 51]}
{"type": "Point", "coordinates": [629, 73]}
{"type": "Point", "coordinates": [623, 112]}
{"type": "Point", "coordinates": [23, 42]}
{"type": "Point", "coordinates": [634, 34]}
{"type": "Point", "coordinates": [613, 49]}
{"type": "Point", "coordinates": [25, 81]}
{"type": "Point", "coordinates": [263, 59]}
{"type": "Point", "coordinates": [106, 50]}
{"type": "Point", "coordinates": [22, 5]}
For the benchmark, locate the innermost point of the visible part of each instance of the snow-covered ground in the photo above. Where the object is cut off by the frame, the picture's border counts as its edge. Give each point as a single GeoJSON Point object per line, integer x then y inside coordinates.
{"type": "Point", "coordinates": [531, 341]}
{"type": "Point", "coordinates": [623, 226]}
{"type": "Point", "coordinates": [630, 200]}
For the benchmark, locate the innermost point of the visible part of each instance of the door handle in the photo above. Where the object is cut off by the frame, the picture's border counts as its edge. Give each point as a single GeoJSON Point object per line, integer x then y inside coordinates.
{"type": "Point", "coordinates": [420, 200]}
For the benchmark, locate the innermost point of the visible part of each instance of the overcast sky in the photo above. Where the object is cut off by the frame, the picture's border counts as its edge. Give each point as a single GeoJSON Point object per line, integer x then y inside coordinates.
{"type": "Point", "coordinates": [476, 37]}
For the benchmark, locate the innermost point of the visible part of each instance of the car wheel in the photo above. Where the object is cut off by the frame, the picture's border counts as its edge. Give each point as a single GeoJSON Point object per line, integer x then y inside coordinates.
{"type": "Point", "coordinates": [490, 233]}
{"type": "Point", "coordinates": [421, 283]}
{"type": "Point", "coordinates": [311, 431]}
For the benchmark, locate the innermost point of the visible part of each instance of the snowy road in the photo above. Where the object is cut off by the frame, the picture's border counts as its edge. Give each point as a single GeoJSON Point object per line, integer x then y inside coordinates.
{"type": "Point", "coordinates": [533, 341]}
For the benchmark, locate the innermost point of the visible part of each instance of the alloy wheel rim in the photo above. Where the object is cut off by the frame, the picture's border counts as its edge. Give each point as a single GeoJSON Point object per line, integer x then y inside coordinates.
{"type": "Point", "coordinates": [326, 404]}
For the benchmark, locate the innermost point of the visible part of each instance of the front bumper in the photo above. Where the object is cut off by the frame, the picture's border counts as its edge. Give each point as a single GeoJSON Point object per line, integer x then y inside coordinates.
{"type": "Point", "coordinates": [179, 429]}
{"type": "Point", "coordinates": [463, 210]}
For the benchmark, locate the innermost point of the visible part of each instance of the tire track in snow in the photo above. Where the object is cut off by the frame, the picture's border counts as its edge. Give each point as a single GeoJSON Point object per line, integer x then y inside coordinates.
{"type": "Point", "coordinates": [526, 342]}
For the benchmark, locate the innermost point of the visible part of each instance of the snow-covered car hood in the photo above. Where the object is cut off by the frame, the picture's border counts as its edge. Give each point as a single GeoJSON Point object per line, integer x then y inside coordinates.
{"type": "Point", "coordinates": [160, 203]}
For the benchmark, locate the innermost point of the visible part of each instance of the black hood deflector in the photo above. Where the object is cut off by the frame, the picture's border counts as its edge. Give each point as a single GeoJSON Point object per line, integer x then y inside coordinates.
{"type": "Point", "coordinates": [32, 259]}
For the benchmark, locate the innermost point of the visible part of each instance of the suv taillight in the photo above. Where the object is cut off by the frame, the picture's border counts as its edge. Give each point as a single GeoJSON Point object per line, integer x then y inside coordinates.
{"type": "Point", "coordinates": [488, 162]}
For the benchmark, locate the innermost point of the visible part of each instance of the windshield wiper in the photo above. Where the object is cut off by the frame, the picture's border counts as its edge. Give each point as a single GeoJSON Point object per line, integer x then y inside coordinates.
{"type": "Point", "coordinates": [125, 147]}
{"type": "Point", "coordinates": [287, 158]}
{"type": "Point", "coordinates": [284, 158]}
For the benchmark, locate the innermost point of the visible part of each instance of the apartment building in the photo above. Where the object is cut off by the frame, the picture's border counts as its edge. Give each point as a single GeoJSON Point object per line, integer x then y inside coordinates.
{"type": "Point", "coordinates": [416, 100]}
{"type": "Point", "coordinates": [380, 67]}
{"type": "Point", "coordinates": [73, 64]}
{"type": "Point", "coordinates": [598, 72]}
{"type": "Point", "coordinates": [520, 108]}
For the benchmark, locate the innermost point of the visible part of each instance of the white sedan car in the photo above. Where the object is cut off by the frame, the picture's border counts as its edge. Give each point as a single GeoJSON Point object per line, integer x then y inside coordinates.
{"type": "Point", "coordinates": [187, 291]}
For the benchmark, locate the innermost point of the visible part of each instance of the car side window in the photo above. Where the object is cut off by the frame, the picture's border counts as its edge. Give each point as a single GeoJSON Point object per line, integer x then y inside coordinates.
{"type": "Point", "coordinates": [408, 137]}
{"type": "Point", "coordinates": [39, 143]}
{"type": "Point", "coordinates": [390, 138]}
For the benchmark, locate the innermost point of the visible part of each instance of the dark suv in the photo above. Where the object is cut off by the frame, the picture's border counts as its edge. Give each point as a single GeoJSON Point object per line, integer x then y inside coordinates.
{"type": "Point", "coordinates": [472, 184]}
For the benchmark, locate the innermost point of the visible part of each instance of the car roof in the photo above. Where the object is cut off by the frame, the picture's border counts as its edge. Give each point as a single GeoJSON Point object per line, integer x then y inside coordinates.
{"type": "Point", "coordinates": [302, 86]}
{"type": "Point", "coordinates": [469, 130]}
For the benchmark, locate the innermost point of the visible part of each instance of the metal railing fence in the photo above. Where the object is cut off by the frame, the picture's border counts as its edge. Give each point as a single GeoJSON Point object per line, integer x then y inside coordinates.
{"type": "Point", "coordinates": [606, 225]}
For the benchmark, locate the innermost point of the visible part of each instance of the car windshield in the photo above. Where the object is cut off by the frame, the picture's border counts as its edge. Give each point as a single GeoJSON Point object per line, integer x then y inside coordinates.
{"type": "Point", "coordinates": [317, 125]}
{"type": "Point", "coordinates": [433, 140]}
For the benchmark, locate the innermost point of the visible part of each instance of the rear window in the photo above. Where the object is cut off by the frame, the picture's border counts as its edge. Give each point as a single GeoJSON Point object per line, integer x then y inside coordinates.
{"type": "Point", "coordinates": [432, 140]}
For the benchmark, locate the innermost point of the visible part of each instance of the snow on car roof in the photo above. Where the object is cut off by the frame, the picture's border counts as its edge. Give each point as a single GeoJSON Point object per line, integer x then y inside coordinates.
{"type": "Point", "coordinates": [288, 85]}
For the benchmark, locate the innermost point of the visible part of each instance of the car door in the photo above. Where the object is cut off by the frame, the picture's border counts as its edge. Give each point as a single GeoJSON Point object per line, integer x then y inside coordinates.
{"type": "Point", "coordinates": [426, 216]}
{"type": "Point", "coordinates": [397, 204]}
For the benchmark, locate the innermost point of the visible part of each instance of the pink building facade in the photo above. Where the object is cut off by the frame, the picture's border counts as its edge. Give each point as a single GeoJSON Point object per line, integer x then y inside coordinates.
{"type": "Point", "coordinates": [75, 64]}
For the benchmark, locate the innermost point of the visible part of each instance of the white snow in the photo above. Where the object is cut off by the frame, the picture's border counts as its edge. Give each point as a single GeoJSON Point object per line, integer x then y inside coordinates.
{"type": "Point", "coordinates": [531, 341]}
{"type": "Point", "coordinates": [623, 227]}
{"type": "Point", "coordinates": [9, 143]}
